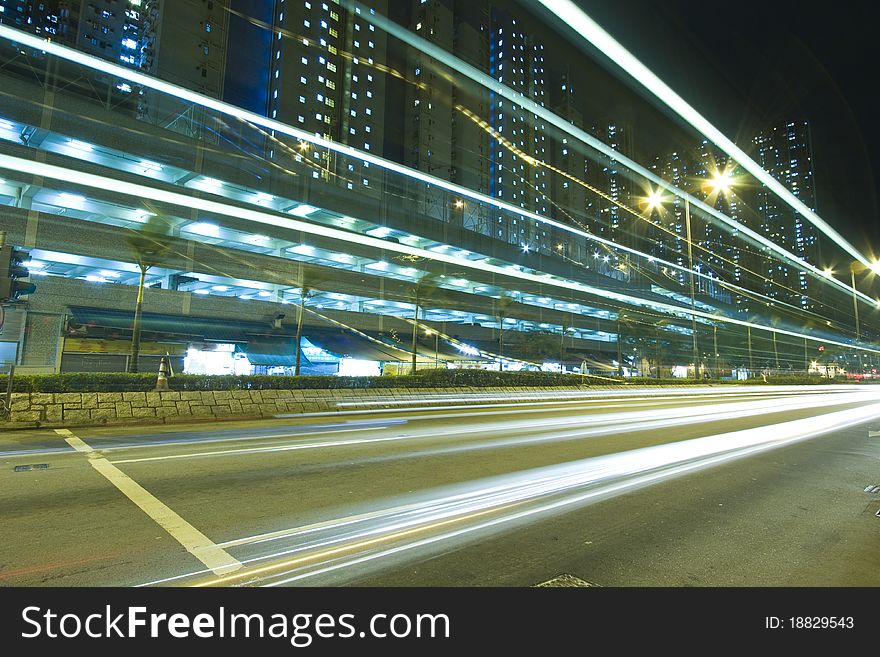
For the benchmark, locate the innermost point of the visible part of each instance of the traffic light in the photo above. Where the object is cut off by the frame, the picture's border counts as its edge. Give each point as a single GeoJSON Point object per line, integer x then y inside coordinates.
{"type": "Point", "coordinates": [12, 270]}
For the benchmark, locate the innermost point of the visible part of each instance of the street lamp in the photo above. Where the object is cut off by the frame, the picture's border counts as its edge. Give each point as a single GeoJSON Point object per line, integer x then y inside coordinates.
{"type": "Point", "coordinates": [721, 183]}
{"type": "Point", "coordinates": [855, 266]}
{"type": "Point", "coordinates": [436, 335]}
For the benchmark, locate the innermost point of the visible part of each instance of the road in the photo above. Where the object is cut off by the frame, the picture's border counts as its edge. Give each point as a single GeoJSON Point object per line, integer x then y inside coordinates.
{"type": "Point", "coordinates": [740, 486]}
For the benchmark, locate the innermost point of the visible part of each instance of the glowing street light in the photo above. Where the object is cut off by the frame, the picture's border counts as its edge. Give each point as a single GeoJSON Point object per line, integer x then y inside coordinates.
{"type": "Point", "coordinates": [655, 199]}
{"type": "Point", "coordinates": [855, 266]}
{"type": "Point", "coordinates": [721, 182]}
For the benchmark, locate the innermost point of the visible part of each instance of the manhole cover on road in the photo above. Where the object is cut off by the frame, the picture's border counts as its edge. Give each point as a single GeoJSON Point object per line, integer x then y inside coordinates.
{"type": "Point", "coordinates": [33, 466]}
{"type": "Point", "coordinates": [565, 580]}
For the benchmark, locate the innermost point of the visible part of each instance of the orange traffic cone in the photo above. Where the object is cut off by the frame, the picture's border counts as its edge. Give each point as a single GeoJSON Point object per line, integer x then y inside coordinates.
{"type": "Point", "coordinates": [162, 380]}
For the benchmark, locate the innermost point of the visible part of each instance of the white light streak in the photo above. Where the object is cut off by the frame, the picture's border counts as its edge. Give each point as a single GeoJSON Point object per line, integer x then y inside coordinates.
{"type": "Point", "coordinates": [575, 18]}
{"type": "Point", "coordinates": [461, 67]}
{"type": "Point", "coordinates": [145, 191]}
{"type": "Point", "coordinates": [438, 515]}
{"type": "Point", "coordinates": [303, 210]}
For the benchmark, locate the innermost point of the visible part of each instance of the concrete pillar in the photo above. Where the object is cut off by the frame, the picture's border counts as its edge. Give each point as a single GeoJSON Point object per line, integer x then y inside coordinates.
{"type": "Point", "coordinates": [42, 335]}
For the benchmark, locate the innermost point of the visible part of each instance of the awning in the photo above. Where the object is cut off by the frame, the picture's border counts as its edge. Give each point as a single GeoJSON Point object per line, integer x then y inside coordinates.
{"type": "Point", "coordinates": [348, 344]}
{"type": "Point", "coordinates": [602, 364]}
{"type": "Point", "coordinates": [274, 353]}
{"type": "Point", "coordinates": [206, 328]}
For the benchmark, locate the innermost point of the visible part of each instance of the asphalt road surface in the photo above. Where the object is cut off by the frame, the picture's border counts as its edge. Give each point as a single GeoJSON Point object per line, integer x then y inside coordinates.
{"type": "Point", "coordinates": [728, 486]}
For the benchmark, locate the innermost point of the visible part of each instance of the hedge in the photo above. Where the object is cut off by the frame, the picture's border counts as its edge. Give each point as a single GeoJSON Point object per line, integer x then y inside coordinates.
{"type": "Point", "coordinates": [123, 382]}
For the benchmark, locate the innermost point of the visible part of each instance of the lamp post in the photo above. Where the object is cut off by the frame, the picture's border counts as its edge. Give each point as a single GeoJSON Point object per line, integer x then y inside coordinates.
{"type": "Point", "coordinates": [715, 342]}
{"type": "Point", "coordinates": [687, 220]}
{"type": "Point", "coordinates": [721, 184]}
{"type": "Point", "coordinates": [436, 335]}
{"type": "Point", "coordinates": [751, 365]}
{"type": "Point", "coordinates": [657, 347]}
{"type": "Point", "coordinates": [619, 357]}
{"type": "Point", "coordinates": [854, 266]}
{"type": "Point", "coordinates": [852, 273]}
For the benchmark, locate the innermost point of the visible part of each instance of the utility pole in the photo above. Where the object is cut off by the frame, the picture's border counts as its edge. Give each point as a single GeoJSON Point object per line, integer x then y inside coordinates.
{"type": "Point", "coordinates": [687, 219]}
{"type": "Point", "coordinates": [715, 341]}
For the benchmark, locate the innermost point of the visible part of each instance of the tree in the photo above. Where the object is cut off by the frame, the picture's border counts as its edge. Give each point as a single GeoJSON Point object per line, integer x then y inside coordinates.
{"type": "Point", "coordinates": [562, 334]}
{"type": "Point", "coordinates": [658, 345]}
{"type": "Point", "coordinates": [502, 311]}
{"type": "Point", "coordinates": [626, 320]}
{"type": "Point", "coordinates": [425, 288]}
{"type": "Point", "coordinates": [536, 345]}
{"type": "Point", "coordinates": [149, 245]}
{"type": "Point", "coordinates": [307, 282]}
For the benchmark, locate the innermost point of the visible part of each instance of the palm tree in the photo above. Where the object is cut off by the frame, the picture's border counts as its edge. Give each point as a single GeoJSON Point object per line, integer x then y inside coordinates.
{"type": "Point", "coordinates": [658, 344]}
{"type": "Point", "coordinates": [149, 246]}
{"type": "Point", "coordinates": [562, 333]}
{"type": "Point", "coordinates": [536, 345]}
{"type": "Point", "coordinates": [307, 282]}
{"type": "Point", "coordinates": [425, 288]}
{"type": "Point", "coordinates": [502, 311]}
{"type": "Point", "coordinates": [621, 317]}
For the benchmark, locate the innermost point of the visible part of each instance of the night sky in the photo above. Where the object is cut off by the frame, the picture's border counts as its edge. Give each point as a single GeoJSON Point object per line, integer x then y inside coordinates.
{"type": "Point", "coordinates": [750, 64]}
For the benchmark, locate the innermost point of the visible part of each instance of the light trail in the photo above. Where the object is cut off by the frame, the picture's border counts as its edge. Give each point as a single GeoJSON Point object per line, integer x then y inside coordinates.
{"type": "Point", "coordinates": [540, 428]}
{"type": "Point", "coordinates": [587, 28]}
{"type": "Point", "coordinates": [182, 93]}
{"type": "Point", "coordinates": [76, 177]}
{"type": "Point", "coordinates": [511, 498]}
{"type": "Point", "coordinates": [462, 67]}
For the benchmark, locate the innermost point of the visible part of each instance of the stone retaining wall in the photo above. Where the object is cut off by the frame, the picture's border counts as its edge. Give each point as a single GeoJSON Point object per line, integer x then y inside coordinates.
{"type": "Point", "coordinates": [45, 409]}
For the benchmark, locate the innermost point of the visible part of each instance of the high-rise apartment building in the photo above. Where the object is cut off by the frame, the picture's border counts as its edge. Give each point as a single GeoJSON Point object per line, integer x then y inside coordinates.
{"type": "Point", "coordinates": [786, 153]}
{"type": "Point", "coordinates": [324, 77]}
{"type": "Point", "coordinates": [444, 129]}
{"type": "Point", "coordinates": [516, 58]}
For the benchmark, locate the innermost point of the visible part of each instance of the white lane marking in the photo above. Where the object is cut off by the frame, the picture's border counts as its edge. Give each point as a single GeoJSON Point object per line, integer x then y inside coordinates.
{"type": "Point", "coordinates": [196, 543]}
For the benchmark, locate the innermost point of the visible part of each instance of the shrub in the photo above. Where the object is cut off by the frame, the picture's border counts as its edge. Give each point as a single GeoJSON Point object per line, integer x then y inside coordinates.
{"type": "Point", "coordinates": [472, 378]}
